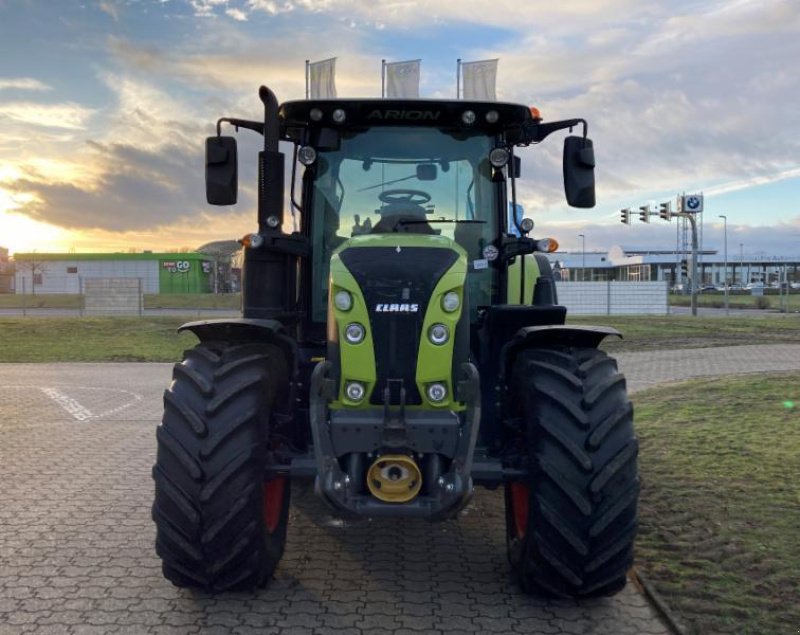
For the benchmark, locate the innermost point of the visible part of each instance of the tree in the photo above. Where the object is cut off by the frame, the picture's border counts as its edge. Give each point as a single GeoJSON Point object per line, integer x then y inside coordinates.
{"type": "Point", "coordinates": [35, 267]}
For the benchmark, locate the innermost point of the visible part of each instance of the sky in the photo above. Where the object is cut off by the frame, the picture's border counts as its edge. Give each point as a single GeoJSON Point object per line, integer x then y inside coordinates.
{"type": "Point", "coordinates": [104, 106]}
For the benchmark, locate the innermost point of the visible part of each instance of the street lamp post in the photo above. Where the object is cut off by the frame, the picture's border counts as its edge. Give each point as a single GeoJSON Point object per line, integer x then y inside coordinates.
{"type": "Point", "coordinates": [741, 264]}
{"type": "Point", "coordinates": [583, 257]}
{"type": "Point", "coordinates": [725, 275]}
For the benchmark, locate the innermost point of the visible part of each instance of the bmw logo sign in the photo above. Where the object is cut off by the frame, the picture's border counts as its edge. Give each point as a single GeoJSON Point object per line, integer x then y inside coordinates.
{"type": "Point", "coordinates": [693, 202]}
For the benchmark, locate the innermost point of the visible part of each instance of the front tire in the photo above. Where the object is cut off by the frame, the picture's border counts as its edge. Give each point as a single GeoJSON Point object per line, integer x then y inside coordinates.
{"type": "Point", "coordinates": [570, 527]}
{"type": "Point", "coordinates": [220, 525]}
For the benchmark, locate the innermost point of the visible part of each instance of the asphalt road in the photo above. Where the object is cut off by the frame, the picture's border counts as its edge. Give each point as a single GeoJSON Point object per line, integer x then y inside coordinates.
{"type": "Point", "coordinates": [77, 445]}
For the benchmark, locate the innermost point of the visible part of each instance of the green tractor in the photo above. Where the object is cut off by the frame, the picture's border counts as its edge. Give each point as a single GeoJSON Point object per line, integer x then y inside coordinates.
{"type": "Point", "coordinates": [401, 346]}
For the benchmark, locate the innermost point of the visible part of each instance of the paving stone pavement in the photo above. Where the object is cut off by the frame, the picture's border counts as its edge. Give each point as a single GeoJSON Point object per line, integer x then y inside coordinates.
{"type": "Point", "coordinates": [76, 541]}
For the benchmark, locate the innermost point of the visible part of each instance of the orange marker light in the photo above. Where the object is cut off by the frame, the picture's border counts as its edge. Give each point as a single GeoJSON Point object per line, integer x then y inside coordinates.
{"type": "Point", "coordinates": [252, 240]}
{"type": "Point", "coordinates": [536, 114]}
{"type": "Point", "coordinates": [547, 245]}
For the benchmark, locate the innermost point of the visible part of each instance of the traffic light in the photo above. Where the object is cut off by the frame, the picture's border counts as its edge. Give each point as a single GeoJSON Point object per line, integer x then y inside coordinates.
{"type": "Point", "coordinates": [664, 211]}
{"type": "Point", "coordinates": [644, 213]}
{"type": "Point", "coordinates": [626, 216]}
{"type": "Point", "coordinates": [684, 268]}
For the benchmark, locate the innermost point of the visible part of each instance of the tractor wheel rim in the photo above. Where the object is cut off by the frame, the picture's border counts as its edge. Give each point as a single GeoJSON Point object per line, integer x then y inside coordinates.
{"type": "Point", "coordinates": [273, 502]}
{"type": "Point", "coordinates": [519, 507]}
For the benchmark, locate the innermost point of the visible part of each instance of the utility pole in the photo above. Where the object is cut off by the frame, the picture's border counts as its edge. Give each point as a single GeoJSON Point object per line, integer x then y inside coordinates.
{"type": "Point", "coordinates": [665, 213]}
{"type": "Point", "coordinates": [693, 223]}
{"type": "Point", "coordinates": [741, 264]}
{"type": "Point", "coordinates": [725, 275]}
{"type": "Point", "coordinates": [583, 257]}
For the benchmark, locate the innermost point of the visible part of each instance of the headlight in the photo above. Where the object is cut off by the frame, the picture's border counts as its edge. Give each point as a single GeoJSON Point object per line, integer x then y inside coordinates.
{"type": "Point", "coordinates": [354, 390]}
{"type": "Point", "coordinates": [354, 333]}
{"type": "Point", "coordinates": [438, 334]}
{"type": "Point", "coordinates": [437, 391]}
{"type": "Point", "coordinates": [307, 155]}
{"type": "Point", "coordinates": [343, 300]}
{"type": "Point", "coordinates": [499, 157]}
{"type": "Point", "coordinates": [450, 301]}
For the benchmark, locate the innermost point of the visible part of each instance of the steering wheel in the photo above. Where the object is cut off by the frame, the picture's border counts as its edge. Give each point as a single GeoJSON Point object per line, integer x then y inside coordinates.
{"type": "Point", "coordinates": [409, 197]}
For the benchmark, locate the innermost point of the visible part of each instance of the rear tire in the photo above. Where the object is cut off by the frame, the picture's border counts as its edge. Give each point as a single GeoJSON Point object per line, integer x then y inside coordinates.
{"type": "Point", "coordinates": [220, 525]}
{"type": "Point", "coordinates": [570, 528]}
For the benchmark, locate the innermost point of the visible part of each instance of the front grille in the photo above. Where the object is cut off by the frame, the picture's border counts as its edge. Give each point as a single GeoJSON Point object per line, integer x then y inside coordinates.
{"type": "Point", "coordinates": [406, 277]}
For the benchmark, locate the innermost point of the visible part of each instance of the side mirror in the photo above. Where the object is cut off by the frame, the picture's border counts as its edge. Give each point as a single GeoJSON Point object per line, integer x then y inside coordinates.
{"type": "Point", "coordinates": [579, 172]}
{"type": "Point", "coordinates": [221, 171]}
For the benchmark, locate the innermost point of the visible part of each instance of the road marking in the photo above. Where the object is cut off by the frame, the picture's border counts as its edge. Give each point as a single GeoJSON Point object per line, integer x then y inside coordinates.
{"type": "Point", "coordinates": [72, 406]}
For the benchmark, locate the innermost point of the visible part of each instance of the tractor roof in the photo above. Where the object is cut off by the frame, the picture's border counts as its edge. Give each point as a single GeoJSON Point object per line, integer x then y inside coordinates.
{"type": "Point", "coordinates": [488, 115]}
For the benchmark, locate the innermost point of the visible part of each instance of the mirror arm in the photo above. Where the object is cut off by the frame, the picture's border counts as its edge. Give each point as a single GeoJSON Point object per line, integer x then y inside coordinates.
{"type": "Point", "coordinates": [240, 123]}
{"type": "Point", "coordinates": [534, 131]}
{"type": "Point", "coordinates": [513, 246]}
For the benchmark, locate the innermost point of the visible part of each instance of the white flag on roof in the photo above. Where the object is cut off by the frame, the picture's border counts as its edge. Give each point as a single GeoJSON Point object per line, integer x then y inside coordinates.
{"type": "Point", "coordinates": [322, 79]}
{"type": "Point", "coordinates": [402, 79]}
{"type": "Point", "coordinates": [479, 80]}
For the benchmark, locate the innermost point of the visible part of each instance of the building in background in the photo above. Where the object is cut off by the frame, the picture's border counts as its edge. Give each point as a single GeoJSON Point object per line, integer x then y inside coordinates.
{"type": "Point", "coordinates": [6, 272]}
{"type": "Point", "coordinates": [159, 272]}
{"type": "Point", "coordinates": [648, 265]}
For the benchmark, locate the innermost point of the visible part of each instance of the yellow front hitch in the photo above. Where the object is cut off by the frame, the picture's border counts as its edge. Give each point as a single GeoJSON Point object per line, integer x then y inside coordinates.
{"type": "Point", "coordinates": [394, 478]}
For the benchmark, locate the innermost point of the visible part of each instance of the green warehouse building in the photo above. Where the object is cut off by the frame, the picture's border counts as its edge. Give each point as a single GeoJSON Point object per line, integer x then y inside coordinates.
{"type": "Point", "coordinates": [159, 272]}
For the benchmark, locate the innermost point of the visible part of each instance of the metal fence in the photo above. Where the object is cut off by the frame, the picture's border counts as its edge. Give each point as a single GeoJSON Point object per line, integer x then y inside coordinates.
{"type": "Point", "coordinates": [112, 296]}
{"type": "Point", "coordinates": [100, 297]}
{"type": "Point", "coordinates": [614, 298]}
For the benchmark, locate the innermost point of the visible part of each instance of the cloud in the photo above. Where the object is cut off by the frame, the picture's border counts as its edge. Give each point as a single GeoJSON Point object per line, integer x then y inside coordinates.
{"type": "Point", "coordinates": [680, 97]}
{"type": "Point", "coordinates": [234, 61]}
{"type": "Point", "coordinates": [111, 9]}
{"type": "Point", "coordinates": [135, 189]}
{"type": "Point", "coordinates": [206, 8]}
{"type": "Point", "coordinates": [69, 116]}
{"type": "Point", "coordinates": [236, 14]}
{"type": "Point", "coordinates": [23, 83]}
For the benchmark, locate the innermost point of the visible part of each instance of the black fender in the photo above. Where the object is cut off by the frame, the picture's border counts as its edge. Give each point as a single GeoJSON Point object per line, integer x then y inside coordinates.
{"type": "Point", "coordinates": [243, 330]}
{"type": "Point", "coordinates": [554, 335]}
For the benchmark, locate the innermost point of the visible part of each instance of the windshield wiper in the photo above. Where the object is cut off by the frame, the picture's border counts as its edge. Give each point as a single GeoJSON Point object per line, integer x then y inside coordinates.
{"type": "Point", "coordinates": [410, 221]}
{"type": "Point", "coordinates": [374, 187]}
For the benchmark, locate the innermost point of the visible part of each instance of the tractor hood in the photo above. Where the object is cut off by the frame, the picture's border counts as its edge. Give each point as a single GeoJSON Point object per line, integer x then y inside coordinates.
{"type": "Point", "coordinates": [397, 283]}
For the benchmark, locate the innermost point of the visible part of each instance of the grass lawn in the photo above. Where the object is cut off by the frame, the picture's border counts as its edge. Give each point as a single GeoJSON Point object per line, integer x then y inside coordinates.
{"type": "Point", "coordinates": [192, 301]}
{"type": "Point", "coordinates": [720, 507]}
{"type": "Point", "coordinates": [153, 339]}
{"type": "Point", "coordinates": [771, 300]}
{"type": "Point", "coordinates": [43, 301]}
{"type": "Point", "coordinates": [101, 339]}
{"type": "Point", "coordinates": [665, 331]}
{"type": "Point", "coordinates": [151, 301]}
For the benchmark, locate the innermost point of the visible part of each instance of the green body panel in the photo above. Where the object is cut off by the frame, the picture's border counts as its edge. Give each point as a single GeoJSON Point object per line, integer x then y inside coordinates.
{"type": "Point", "coordinates": [435, 363]}
{"type": "Point", "coordinates": [357, 361]}
{"type": "Point", "coordinates": [515, 276]}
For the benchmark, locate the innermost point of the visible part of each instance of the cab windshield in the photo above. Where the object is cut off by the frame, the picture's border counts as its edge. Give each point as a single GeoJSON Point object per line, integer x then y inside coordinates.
{"type": "Point", "coordinates": [418, 180]}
